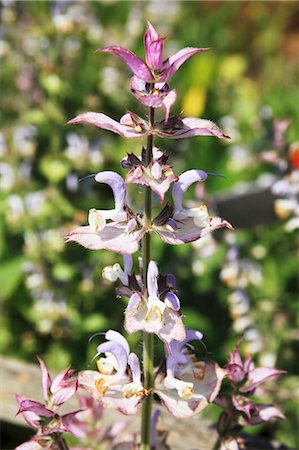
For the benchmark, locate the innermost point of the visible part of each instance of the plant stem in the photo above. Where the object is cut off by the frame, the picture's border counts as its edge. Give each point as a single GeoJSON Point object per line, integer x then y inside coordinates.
{"type": "Point", "coordinates": [148, 338]}
{"type": "Point", "coordinates": [60, 441]}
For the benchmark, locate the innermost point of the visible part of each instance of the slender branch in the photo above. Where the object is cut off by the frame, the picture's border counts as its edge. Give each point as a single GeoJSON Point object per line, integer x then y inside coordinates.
{"type": "Point", "coordinates": [148, 338]}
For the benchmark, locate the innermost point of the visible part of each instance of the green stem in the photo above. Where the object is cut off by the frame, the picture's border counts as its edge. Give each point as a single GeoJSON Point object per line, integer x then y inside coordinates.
{"type": "Point", "coordinates": [148, 338]}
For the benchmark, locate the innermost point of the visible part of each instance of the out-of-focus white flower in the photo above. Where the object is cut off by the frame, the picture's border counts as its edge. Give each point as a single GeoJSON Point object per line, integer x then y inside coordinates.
{"type": "Point", "coordinates": [34, 202]}
{"type": "Point", "coordinates": [24, 140]}
{"type": "Point", "coordinates": [15, 206]}
{"type": "Point", "coordinates": [239, 158]}
{"type": "Point", "coordinates": [3, 146]}
{"type": "Point", "coordinates": [7, 177]}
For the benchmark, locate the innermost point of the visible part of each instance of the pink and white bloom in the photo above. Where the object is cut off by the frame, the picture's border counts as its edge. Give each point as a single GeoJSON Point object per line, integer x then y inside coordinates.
{"type": "Point", "coordinates": [153, 69]}
{"type": "Point", "coordinates": [117, 229]}
{"type": "Point", "coordinates": [157, 174]}
{"type": "Point", "coordinates": [153, 95]}
{"type": "Point", "coordinates": [131, 126]}
{"type": "Point", "coordinates": [189, 384]}
{"type": "Point", "coordinates": [117, 383]}
{"type": "Point", "coordinates": [44, 416]}
{"type": "Point", "coordinates": [184, 225]}
{"type": "Point", "coordinates": [153, 315]}
{"type": "Point", "coordinates": [245, 373]}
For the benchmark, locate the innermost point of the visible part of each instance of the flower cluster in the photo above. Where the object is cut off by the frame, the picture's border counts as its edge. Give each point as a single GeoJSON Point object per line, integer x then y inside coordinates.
{"type": "Point", "coordinates": [185, 388]}
{"type": "Point", "coordinates": [239, 409]}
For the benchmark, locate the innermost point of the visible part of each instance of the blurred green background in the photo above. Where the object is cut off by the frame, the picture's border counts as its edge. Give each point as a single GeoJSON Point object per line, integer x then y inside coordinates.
{"type": "Point", "coordinates": [52, 295]}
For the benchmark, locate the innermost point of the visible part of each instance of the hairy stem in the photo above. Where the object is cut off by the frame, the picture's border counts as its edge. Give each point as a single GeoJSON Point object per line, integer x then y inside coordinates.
{"type": "Point", "coordinates": [148, 339]}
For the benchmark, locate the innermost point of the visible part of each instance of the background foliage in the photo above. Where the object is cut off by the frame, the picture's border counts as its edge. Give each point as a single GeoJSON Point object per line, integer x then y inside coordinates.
{"type": "Point", "coordinates": [52, 296]}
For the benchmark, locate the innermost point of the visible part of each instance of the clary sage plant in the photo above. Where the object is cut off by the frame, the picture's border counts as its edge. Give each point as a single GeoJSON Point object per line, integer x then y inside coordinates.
{"type": "Point", "coordinates": [184, 384]}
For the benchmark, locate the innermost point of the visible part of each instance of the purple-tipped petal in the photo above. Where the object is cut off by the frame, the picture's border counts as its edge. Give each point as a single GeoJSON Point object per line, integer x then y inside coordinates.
{"type": "Point", "coordinates": [184, 182]}
{"type": "Point", "coordinates": [172, 64]}
{"type": "Point", "coordinates": [105, 122]}
{"type": "Point", "coordinates": [136, 64]}
{"type": "Point", "coordinates": [173, 300]}
{"type": "Point", "coordinates": [113, 237]}
{"type": "Point", "coordinates": [46, 379]}
{"type": "Point", "coordinates": [153, 44]}
{"type": "Point", "coordinates": [191, 335]}
{"type": "Point", "coordinates": [135, 367]}
{"type": "Point", "coordinates": [134, 300]}
{"type": "Point", "coordinates": [152, 279]}
{"type": "Point", "coordinates": [117, 184]}
{"type": "Point", "coordinates": [115, 336]}
{"type": "Point", "coordinates": [128, 264]}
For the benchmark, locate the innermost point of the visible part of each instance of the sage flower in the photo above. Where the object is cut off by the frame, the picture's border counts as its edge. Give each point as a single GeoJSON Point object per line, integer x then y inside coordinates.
{"type": "Point", "coordinates": [153, 315]}
{"type": "Point", "coordinates": [180, 225]}
{"type": "Point", "coordinates": [153, 95]}
{"type": "Point", "coordinates": [157, 174]}
{"type": "Point", "coordinates": [189, 384]}
{"type": "Point", "coordinates": [118, 229]}
{"type": "Point", "coordinates": [117, 382]}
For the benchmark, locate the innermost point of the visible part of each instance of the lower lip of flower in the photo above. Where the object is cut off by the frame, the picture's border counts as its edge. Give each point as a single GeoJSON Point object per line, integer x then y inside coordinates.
{"type": "Point", "coordinates": [186, 391]}
{"type": "Point", "coordinates": [96, 220]}
{"type": "Point", "coordinates": [133, 390]}
{"type": "Point", "coordinates": [154, 315]}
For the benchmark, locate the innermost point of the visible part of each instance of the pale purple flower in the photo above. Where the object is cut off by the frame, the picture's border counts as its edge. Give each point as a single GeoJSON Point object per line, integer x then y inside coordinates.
{"type": "Point", "coordinates": [157, 174]}
{"type": "Point", "coordinates": [132, 126]}
{"type": "Point", "coordinates": [153, 69]}
{"type": "Point", "coordinates": [189, 384]}
{"type": "Point", "coordinates": [153, 315]}
{"type": "Point", "coordinates": [184, 225]}
{"type": "Point", "coordinates": [117, 229]}
{"type": "Point", "coordinates": [117, 383]}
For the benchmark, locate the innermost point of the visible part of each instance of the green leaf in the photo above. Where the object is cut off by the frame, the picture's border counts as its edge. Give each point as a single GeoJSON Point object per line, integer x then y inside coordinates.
{"type": "Point", "coordinates": [11, 274]}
